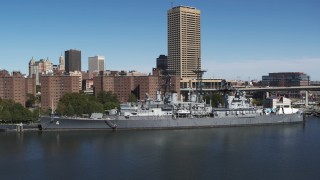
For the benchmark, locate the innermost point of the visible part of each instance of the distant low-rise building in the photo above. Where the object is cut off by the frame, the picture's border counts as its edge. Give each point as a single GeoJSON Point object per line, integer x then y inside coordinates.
{"type": "Point", "coordinates": [193, 84]}
{"type": "Point", "coordinates": [277, 102]}
{"type": "Point", "coordinates": [286, 79]}
{"type": "Point", "coordinates": [314, 83]}
{"type": "Point", "coordinates": [87, 84]}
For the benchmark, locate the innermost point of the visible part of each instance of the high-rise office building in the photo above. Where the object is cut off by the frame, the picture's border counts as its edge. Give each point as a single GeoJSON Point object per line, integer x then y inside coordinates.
{"type": "Point", "coordinates": [96, 63]}
{"type": "Point", "coordinates": [184, 54]}
{"type": "Point", "coordinates": [72, 60]}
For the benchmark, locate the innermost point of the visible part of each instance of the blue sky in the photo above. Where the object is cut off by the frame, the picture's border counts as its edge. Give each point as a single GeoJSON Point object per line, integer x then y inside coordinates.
{"type": "Point", "coordinates": [240, 39]}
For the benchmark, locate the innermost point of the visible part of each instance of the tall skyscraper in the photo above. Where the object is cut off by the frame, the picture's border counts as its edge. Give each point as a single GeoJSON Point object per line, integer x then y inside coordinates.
{"type": "Point", "coordinates": [72, 60]}
{"type": "Point", "coordinates": [96, 63]}
{"type": "Point", "coordinates": [184, 54]}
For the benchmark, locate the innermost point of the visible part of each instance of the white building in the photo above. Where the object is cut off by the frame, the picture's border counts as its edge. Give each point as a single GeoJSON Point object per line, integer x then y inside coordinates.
{"type": "Point", "coordinates": [44, 66]}
{"type": "Point", "coordinates": [96, 63]}
{"type": "Point", "coordinates": [61, 63]}
{"type": "Point", "coordinates": [282, 104]}
{"type": "Point", "coordinates": [79, 74]}
{"type": "Point", "coordinates": [277, 102]}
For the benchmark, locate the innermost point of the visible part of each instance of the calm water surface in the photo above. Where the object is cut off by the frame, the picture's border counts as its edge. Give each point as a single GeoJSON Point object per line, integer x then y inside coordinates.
{"type": "Point", "coordinates": [262, 152]}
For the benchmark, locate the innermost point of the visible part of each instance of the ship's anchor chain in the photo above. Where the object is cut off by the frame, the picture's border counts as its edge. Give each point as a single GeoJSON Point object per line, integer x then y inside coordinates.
{"type": "Point", "coordinates": [113, 126]}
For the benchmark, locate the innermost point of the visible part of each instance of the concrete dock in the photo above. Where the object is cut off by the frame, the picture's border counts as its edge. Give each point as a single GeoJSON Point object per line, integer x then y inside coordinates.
{"type": "Point", "coordinates": [18, 127]}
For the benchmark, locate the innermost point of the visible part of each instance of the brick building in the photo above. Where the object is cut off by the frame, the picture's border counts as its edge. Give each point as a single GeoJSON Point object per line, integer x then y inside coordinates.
{"type": "Point", "coordinates": [123, 84]}
{"type": "Point", "coordinates": [15, 86]}
{"type": "Point", "coordinates": [53, 87]}
{"type": "Point", "coordinates": [30, 83]}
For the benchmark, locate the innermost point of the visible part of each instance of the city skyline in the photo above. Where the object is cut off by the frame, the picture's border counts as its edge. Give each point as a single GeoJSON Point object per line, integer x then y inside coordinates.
{"type": "Point", "coordinates": [239, 40]}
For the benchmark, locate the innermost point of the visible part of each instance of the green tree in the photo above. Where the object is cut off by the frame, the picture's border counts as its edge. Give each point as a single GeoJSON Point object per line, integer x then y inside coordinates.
{"type": "Point", "coordinates": [35, 114]}
{"type": "Point", "coordinates": [257, 98]}
{"type": "Point", "coordinates": [108, 99]}
{"type": "Point", "coordinates": [257, 102]}
{"type": "Point", "coordinates": [216, 99]}
{"type": "Point", "coordinates": [69, 111]}
{"type": "Point", "coordinates": [93, 106]}
{"type": "Point", "coordinates": [31, 100]}
{"type": "Point", "coordinates": [78, 104]}
{"type": "Point", "coordinates": [14, 112]}
{"type": "Point", "coordinates": [132, 98]}
{"type": "Point", "coordinates": [18, 113]}
{"type": "Point", "coordinates": [6, 115]}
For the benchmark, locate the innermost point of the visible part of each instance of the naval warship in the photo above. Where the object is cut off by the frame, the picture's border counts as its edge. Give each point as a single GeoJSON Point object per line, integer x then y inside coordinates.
{"type": "Point", "coordinates": [169, 113]}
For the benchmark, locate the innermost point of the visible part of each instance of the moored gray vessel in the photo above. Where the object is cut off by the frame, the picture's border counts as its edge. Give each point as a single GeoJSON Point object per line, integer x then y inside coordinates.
{"type": "Point", "coordinates": [169, 113]}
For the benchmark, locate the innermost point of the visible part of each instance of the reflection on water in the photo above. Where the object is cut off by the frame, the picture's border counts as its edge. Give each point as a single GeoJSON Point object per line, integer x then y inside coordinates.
{"type": "Point", "coordinates": [261, 152]}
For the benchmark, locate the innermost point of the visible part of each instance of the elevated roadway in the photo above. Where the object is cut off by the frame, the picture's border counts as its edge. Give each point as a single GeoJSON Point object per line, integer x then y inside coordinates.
{"type": "Point", "coordinates": [263, 89]}
{"type": "Point", "coordinates": [267, 90]}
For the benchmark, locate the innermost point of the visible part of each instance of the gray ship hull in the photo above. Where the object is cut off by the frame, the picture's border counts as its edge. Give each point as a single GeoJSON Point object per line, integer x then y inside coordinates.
{"type": "Point", "coordinates": [55, 123]}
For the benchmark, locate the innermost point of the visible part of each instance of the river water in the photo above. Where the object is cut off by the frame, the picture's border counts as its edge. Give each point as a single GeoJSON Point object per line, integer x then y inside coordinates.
{"type": "Point", "coordinates": [259, 152]}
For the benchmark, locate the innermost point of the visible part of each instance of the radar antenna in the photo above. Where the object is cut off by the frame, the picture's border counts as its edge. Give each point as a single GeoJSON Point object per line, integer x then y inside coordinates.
{"type": "Point", "coordinates": [199, 73]}
{"type": "Point", "coordinates": [167, 81]}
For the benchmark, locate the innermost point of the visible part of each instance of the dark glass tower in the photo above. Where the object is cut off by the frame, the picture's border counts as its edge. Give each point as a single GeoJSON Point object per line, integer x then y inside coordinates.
{"type": "Point", "coordinates": [162, 62]}
{"type": "Point", "coordinates": [72, 60]}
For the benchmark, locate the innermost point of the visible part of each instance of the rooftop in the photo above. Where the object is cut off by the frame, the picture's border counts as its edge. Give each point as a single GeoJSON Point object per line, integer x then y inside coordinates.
{"type": "Point", "coordinates": [189, 7]}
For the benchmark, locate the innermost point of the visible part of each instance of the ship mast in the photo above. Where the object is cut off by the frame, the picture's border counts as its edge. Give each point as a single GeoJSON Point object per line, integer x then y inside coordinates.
{"type": "Point", "coordinates": [167, 81]}
{"type": "Point", "coordinates": [199, 73]}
